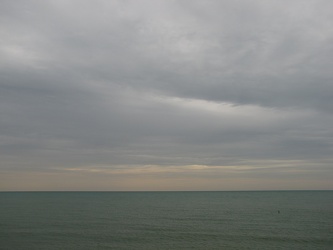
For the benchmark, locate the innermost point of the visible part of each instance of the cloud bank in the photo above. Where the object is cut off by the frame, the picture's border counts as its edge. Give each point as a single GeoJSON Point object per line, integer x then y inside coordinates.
{"type": "Point", "coordinates": [166, 95]}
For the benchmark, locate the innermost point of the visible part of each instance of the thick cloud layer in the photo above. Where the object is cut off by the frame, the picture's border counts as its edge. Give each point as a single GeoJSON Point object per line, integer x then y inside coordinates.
{"type": "Point", "coordinates": [163, 95]}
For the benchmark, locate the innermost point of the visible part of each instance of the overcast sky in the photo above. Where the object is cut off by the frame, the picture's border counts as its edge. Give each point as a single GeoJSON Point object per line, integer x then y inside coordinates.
{"type": "Point", "coordinates": [166, 95]}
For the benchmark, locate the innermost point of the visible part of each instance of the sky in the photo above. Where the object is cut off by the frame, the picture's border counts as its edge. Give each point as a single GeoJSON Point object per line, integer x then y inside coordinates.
{"type": "Point", "coordinates": [120, 95]}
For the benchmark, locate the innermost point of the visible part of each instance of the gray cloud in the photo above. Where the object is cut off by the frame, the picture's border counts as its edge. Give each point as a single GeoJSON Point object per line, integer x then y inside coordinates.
{"type": "Point", "coordinates": [125, 84]}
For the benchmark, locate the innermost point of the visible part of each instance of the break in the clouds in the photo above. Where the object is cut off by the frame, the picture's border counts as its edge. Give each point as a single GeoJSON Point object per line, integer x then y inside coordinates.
{"type": "Point", "coordinates": [166, 95]}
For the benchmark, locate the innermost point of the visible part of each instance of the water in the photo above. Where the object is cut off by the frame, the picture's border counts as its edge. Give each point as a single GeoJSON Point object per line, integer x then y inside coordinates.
{"type": "Point", "coordinates": [166, 220]}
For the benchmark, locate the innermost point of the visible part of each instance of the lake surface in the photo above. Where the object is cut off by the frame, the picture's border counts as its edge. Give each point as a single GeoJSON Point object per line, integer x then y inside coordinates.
{"type": "Point", "coordinates": [166, 220]}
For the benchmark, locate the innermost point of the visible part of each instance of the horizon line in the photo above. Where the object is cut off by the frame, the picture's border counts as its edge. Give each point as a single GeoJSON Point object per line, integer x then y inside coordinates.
{"type": "Point", "coordinates": [158, 191]}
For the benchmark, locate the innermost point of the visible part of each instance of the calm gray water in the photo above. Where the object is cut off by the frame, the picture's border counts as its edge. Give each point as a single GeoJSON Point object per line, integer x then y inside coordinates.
{"type": "Point", "coordinates": [166, 220]}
